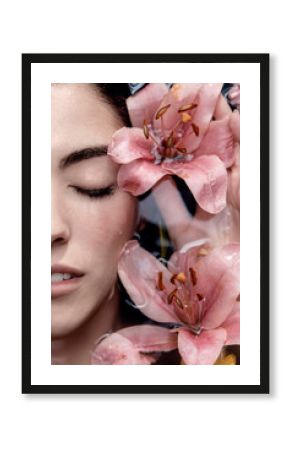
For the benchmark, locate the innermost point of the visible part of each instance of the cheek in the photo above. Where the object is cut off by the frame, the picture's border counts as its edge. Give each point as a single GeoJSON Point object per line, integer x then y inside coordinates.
{"type": "Point", "coordinates": [104, 225]}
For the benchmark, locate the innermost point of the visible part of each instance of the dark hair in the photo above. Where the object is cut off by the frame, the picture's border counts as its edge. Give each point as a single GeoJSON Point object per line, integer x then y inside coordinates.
{"type": "Point", "coordinates": [116, 94]}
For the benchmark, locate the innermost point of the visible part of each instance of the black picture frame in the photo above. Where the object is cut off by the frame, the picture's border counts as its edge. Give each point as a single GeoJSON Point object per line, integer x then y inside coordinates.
{"type": "Point", "coordinates": [263, 61]}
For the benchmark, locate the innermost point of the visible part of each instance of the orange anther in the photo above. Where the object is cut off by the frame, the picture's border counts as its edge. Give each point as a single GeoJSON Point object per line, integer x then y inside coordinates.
{"type": "Point", "coordinates": [181, 277]}
{"type": "Point", "coordinates": [185, 117]}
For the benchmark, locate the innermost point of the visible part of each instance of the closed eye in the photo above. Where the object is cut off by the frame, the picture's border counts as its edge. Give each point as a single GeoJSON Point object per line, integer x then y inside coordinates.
{"type": "Point", "coordinates": [95, 193]}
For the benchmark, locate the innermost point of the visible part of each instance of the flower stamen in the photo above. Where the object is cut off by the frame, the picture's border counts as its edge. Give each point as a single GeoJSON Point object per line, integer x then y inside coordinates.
{"type": "Point", "coordinates": [181, 277]}
{"type": "Point", "coordinates": [195, 129]}
{"type": "Point", "coordinates": [185, 117]}
{"type": "Point", "coordinates": [146, 129]}
{"type": "Point", "coordinates": [159, 284]}
{"type": "Point", "coordinates": [147, 133]}
{"type": "Point", "coordinates": [171, 296]}
{"type": "Point", "coordinates": [187, 107]}
{"type": "Point", "coordinates": [162, 111]}
{"type": "Point", "coordinates": [178, 277]}
{"type": "Point", "coordinates": [173, 278]}
{"type": "Point", "coordinates": [178, 302]}
{"type": "Point", "coordinates": [169, 152]}
{"type": "Point", "coordinates": [193, 276]}
{"type": "Point", "coordinates": [162, 126]}
{"type": "Point", "coordinates": [169, 143]}
{"type": "Point", "coordinates": [176, 125]}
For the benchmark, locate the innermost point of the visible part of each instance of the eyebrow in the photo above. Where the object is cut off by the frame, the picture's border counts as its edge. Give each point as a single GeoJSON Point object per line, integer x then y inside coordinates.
{"type": "Point", "coordinates": [81, 155]}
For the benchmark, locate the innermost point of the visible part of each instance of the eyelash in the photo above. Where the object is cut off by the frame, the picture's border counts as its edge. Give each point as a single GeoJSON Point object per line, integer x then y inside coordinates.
{"type": "Point", "coordinates": [95, 193]}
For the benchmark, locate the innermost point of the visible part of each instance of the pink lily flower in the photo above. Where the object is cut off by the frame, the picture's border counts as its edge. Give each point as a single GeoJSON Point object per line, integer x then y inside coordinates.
{"type": "Point", "coordinates": [174, 134]}
{"type": "Point", "coordinates": [133, 345]}
{"type": "Point", "coordinates": [197, 294]}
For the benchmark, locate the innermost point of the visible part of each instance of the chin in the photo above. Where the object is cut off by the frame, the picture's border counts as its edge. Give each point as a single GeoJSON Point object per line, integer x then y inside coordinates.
{"type": "Point", "coordinates": [61, 330]}
{"type": "Point", "coordinates": [70, 313]}
{"type": "Point", "coordinates": [63, 325]}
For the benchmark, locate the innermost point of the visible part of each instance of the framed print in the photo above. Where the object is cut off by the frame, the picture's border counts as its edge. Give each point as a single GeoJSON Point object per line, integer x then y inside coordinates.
{"type": "Point", "coordinates": [155, 196]}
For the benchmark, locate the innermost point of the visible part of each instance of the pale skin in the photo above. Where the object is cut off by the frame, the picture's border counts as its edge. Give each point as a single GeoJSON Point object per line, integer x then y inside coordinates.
{"type": "Point", "coordinates": [88, 231]}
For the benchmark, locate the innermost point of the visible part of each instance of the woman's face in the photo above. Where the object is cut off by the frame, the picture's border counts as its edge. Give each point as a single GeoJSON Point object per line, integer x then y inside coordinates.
{"type": "Point", "coordinates": [91, 217]}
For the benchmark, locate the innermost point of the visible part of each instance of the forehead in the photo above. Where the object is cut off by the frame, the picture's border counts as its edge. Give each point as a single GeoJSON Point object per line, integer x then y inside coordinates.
{"type": "Point", "coordinates": [80, 117]}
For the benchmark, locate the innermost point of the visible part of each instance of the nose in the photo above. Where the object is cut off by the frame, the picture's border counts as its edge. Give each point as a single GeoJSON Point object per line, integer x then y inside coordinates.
{"type": "Point", "coordinates": [60, 231]}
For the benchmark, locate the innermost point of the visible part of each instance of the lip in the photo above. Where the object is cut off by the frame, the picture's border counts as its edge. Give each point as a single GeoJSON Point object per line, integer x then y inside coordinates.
{"type": "Point", "coordinates": [64, 287]}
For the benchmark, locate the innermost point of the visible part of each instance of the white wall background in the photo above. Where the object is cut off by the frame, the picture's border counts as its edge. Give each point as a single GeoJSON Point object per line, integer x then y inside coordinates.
{"type": "Point", "coordinates": [88, 421]}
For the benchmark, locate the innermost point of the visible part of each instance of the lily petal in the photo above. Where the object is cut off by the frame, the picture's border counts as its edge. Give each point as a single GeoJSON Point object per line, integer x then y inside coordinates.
{"type": "Point", "coordinates": [183, 260]}
{"type": "Point", "coordinates": [218, 279]}
{"type": "Point", "coordinates": [129, 144]}
{"type": "Point", "coordinates": [118, 350]}
{"type": "Point", "coordinates": [150, 338]}
{"type": "Point", "coordinates": [222, 109]}
{"type": "Point", "coordinates": [144, 104]}
{"type": "Point", "coordinates": [206, 177]}
{"type": "Point", "coordinates": [130, 345]}
{"type": "Point", "coordinates": [233, 193]}
{"type": "Point", "coordinates": [138, 271]}
{"type": "Point", "coordinates": [235, 125]}
{"type": "Point", "coordinates": [232, 326]}
{"type": "Point", "coordinates": [218, 140]}
{"type": "Point", "coordinates": [139, 176]}
{"type": "Point", "coordinates": [207, 99]}
{"type": "Point", "coordinates": [203, 349]}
